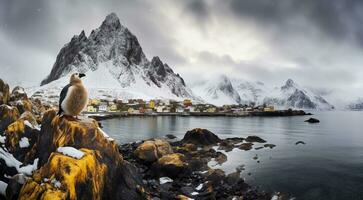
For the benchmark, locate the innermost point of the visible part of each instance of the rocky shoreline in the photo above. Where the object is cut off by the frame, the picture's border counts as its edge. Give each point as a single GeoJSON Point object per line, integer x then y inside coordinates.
{"type": "Point", "coordinates": [277, 113]}
{"type": "Point", "coordinates": [179, 169]}
{"type": "Point", "coordinates": [46, 156]}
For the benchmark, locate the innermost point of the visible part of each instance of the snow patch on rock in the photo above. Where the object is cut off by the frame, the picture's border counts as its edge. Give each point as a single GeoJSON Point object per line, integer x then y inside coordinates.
{"type": "Point", "coordinates": [71, 152]}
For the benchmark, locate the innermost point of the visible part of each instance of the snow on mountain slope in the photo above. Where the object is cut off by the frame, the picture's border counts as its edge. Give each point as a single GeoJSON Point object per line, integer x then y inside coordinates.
{"type": "Point", "coordinates": [115, 65]}
{"type": "Point", "coordinates": [290, 95]}
{"type": "Point", "coordinates": [218, 91]}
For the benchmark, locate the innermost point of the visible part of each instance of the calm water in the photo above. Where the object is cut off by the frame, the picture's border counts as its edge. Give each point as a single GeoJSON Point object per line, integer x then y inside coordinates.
{"type": "Point", "coordinates": [329, 166]}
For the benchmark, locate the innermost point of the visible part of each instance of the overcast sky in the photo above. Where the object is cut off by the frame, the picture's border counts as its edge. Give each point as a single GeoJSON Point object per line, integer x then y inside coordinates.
{"type": "Point", "coordinates": [318, 43]}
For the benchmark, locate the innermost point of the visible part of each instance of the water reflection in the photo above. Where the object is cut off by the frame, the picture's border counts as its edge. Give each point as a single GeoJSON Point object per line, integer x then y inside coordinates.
{"type": "Point", "coordinates": [329, 166]}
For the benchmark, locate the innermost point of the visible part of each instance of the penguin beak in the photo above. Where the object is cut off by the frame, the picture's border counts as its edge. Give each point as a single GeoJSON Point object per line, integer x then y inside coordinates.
{"type": "Point", "coordinates": [82, 75]}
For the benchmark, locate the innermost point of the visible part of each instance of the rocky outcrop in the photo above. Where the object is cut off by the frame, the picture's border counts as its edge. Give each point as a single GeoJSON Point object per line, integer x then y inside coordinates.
{"type": "Point", "coordinates": [200, 136]}
{"type": "Point", "coordinates": [79, 161]}
{"type": "Point", "coordinates": [312, 120]}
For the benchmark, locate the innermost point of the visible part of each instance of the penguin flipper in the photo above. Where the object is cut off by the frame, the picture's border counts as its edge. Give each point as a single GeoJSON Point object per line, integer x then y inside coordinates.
{"type": "Point", "coordinates": [62, 96]}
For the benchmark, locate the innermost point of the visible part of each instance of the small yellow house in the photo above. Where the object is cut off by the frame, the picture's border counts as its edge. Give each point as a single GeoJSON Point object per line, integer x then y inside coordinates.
{"type": "Point", "coordinates": [130, 110]}
{"type": "Point", "coordinates": [152, 104]}
{"type": "Point", "coordinates": [112, 108]}
{"type": "Point", "coordinates": [269, 109]}
{"type": "Point", "coordinates": [94, 101]}
{"type": "Point", "coordinates": [91, 109]}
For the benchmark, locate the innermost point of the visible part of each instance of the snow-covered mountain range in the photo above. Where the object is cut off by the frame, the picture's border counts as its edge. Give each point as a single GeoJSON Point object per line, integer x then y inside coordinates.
{"type": "Point", "coordinates": [222, 90]}
{"type": "Point", "coordinates": [115, 65]}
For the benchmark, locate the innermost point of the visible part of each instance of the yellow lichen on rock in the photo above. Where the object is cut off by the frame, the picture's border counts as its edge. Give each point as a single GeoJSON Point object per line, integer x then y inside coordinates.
{"type": "Point", "coordinates": [72, 173]}
{"type": "Point", "coordinates": [13, 134]}
{"type": "Point", "coordinates": [175, 159]}
{"type": "Point", "coordinates": [152, 150]}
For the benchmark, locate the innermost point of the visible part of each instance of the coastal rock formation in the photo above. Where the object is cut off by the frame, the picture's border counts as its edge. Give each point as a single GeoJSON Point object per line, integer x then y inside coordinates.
{"type": "Point", "coordinates": [200, 136]}
{"type": "Point", "coordinates": [79, 161]}
{"type": "Point", "coordinates": [4, 92]}
{"type": "Point", "coordinates": [312, 120]}
{"type": "Point", "coordinates": [152, 150]}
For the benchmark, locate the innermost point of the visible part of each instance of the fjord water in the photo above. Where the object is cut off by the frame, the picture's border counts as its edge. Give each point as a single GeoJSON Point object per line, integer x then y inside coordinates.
{"type": "Point", "coordinates": [329, 166]}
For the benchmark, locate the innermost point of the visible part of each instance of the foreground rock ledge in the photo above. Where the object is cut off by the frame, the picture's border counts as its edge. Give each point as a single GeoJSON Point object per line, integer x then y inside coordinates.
{"type": "Point", "coordinates": [101, 173]}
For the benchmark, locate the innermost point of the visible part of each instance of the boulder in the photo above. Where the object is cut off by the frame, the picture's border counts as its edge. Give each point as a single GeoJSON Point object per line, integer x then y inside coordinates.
{"type": "Point", "coordinates": [246, 146]}
{"type": "Point", "coordinates": [22, 105]}
{"type": "Point", "coordinates": [8, 115]}
{"type": "Point", "coordinates": [18, 93]}
{"type": "Point", "coordinates": [87, 166]}
{"type": "Point", "coordinates": [200, 136]}
{"type": "Point", "coordinates": [312, 120]}
{"type": "Point", "coordinates": [4, 92]}
{"type": "Point", "coordinates": [152, 150]}
{"type": "Point", "coordinates": [255, 139]}
{"type": "Point", "coordinates": [171, 165]}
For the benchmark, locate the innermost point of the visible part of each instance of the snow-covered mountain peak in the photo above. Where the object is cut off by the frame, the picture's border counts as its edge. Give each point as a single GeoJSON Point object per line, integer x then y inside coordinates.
{"type": "Point", "coordinates": [113, 49]}
{"type": "Point", "coordinates": [289, 84]}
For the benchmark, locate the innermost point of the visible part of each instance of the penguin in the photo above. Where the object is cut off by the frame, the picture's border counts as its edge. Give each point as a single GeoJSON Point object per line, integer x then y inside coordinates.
{"type": "Point", "coordinates": [73, 97]}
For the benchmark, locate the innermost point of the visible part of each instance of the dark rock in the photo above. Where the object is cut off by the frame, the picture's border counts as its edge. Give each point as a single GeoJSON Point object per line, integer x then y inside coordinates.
{"type": "Point", "coordinates": [255, 139]}
{"type": "Point", "coordinates": [246, 146]}
{"type": "Point", "coordinates": [312, 120]}
{"type": "Point", "coordinates": [221, 158]}
{"type": "Point", "coordinates": [299, 142]}
{"type": "Point", "coordinates": [258, 148]}
{"type": "Point", "coordinates": [226, 145]}
{"type": "Point", "coordinates": [200, 136]}
{"type": "Point", "coordinates": [271, 146]}
{"type": "Point", "coordinates": [170, 136]}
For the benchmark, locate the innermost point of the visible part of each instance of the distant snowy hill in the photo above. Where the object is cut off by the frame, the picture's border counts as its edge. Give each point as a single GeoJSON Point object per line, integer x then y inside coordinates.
{"type": "Point", "coordinates": [218, 92]}
{"type": "Point", "coordinates": [356, 105]}
{"type": "Point", "coordinates": [224, 91]}
{"type": "Point", "coordinates": [115, 65]}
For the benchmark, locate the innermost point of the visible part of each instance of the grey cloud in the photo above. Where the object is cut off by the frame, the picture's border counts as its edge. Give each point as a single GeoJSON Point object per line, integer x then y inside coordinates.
{"type": "Point", "coordinates": [334, 18]}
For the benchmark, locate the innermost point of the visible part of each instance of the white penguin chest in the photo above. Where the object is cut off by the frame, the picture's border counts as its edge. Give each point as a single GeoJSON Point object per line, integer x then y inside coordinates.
{"type": "Point", "coordinates": [75, 100]}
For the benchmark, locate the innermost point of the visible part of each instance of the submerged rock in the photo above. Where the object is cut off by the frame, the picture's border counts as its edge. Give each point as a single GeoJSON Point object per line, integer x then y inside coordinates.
{"type": "Point", "coordinates": [312, 120]}
{"type": "Point", "coordinates": [300, 142]}
{"type": "Point", "coordinates": [246, 146]}
{"type": "Point", "coordinates": [255, 139]}
{"type": "Point", "coordinates": [200, 136]}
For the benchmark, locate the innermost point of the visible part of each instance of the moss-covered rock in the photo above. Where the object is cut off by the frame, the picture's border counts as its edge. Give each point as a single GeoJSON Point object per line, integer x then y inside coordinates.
{"type": "Point", "coordinates": [101, 173]}
{"type": "Point", "coordinates": [152, 150]}
{"type": "Point", "coordinates": [171, 165]}
{"type": "Point", "coordinates": [8, 115]}
{"type": "Point", "coordinates": [21, 136]}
